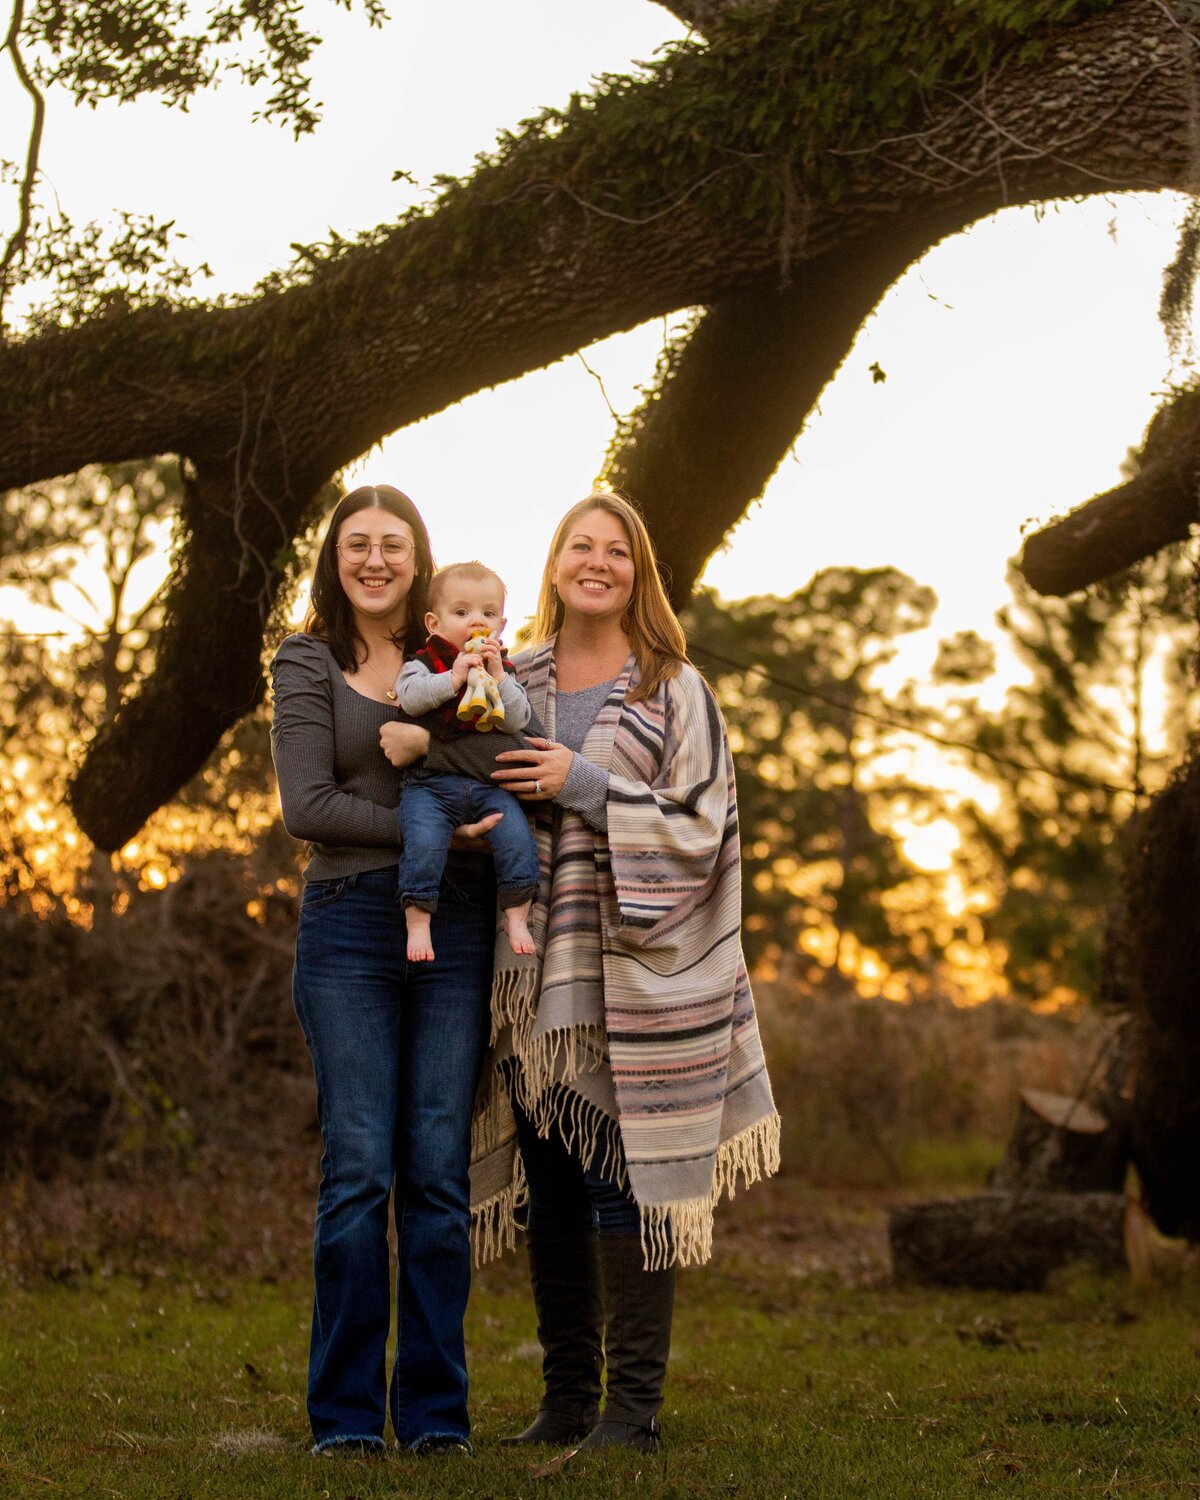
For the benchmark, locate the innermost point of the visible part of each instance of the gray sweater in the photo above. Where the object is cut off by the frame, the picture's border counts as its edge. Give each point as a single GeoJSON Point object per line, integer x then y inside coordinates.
{"type": "Point", "coordinates": [337, 789]}
{"type": "Point", "coordinates": [586, 788]}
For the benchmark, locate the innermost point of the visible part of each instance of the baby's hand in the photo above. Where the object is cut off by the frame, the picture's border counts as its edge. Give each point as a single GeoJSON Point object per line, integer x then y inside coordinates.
{"type": "Point", "coordinates": [492, 659]}
{"type": "Point", "coordinates": [463, 663]}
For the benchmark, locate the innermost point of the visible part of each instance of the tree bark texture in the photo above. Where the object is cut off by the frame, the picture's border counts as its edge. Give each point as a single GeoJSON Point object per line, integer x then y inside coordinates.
{"type": "Point", "coordinates": [267, 399]}
{"type": "Point", "coordinates": [1060, 1144]}
{"type": "Point", "coordinates": [1008, 1241]}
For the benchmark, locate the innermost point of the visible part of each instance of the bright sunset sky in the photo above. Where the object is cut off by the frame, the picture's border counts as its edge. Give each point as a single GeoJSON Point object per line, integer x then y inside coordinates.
{"type": "Point", "coordinates": [1022, 358]}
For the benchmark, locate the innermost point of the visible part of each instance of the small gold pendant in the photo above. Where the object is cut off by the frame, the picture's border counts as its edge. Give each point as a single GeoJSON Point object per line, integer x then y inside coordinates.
{"type": "Point", "coordinates": [391, 692]}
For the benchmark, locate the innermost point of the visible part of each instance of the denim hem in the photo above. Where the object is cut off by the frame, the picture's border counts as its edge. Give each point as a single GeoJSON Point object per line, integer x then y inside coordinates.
{"type": "Point", "coordinates": [514, 895]}
{"type": "Point", "coordinates": [343, 1439]}
{"type": "Point", "coordinates": [420, 900]}
{"type": "Point", "coordinates": [433, 1437]}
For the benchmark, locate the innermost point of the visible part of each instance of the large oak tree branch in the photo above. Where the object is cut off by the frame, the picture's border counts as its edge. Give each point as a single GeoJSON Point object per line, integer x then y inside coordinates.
{"type": "Point", "coordinates": [207, 670]}
{"type": "Point", "coordinates": [1111, 532]}
{"type": "Point", "coordinates": [514, 273]}
{"type": "Point", "coordinates": [709, 438]}
{"type": "Point", "coordinates": [523, 265]}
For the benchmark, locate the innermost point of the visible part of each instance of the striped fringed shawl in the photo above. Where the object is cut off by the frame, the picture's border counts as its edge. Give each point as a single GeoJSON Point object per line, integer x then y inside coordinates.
{"type": "Point", "coordinates": [643, 1016]}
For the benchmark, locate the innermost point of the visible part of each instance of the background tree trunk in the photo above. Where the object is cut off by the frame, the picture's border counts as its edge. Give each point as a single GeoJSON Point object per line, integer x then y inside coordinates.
{"type": "Point", "coordinates": [1156, 952]}
{"type": "Point", "coordinates": [1060, 1144]}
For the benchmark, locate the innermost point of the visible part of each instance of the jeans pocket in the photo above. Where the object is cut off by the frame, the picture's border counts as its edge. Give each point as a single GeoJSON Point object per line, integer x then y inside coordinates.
{"type": "Point", "coordinates": [322, 892]}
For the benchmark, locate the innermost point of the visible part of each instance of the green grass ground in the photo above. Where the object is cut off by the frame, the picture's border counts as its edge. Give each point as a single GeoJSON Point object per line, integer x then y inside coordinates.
{"type": "Point", "coordinates": [780, 1386]}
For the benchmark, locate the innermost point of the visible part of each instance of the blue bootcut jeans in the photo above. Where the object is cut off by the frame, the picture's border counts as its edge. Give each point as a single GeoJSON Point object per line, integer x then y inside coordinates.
{"type": "Point", "coordinates": [397, 1050]}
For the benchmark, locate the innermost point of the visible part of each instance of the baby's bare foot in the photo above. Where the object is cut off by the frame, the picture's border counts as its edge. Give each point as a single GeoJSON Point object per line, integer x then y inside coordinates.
{"type": "Point", "coordinates": [517, 929]}
{"type": "Point", "coordinates": [420, 944]}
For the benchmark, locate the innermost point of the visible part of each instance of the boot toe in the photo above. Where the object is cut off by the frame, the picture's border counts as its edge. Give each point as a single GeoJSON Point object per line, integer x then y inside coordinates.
{"type": "Point", "coordinates": [618, 1434]}
{"type": "Point", "coordinates": [559, 1429]}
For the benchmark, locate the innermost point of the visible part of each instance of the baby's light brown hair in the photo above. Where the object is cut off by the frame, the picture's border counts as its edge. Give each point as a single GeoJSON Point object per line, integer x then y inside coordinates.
{"type": "Point", "coordinates": [443, 576]}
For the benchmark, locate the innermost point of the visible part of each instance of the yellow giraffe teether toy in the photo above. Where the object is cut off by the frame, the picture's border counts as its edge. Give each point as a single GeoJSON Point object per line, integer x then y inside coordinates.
{"type": "Point", "coordinates": [481, 702]}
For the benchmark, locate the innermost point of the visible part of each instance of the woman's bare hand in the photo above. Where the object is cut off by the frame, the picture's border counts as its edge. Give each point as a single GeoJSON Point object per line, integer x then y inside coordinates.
{"type": "Point", "coordinates": [403, 743]}
{"type": "Point", "coordinates": [536, 774]}
{"type": "Point", "coordinates": [472, 837]}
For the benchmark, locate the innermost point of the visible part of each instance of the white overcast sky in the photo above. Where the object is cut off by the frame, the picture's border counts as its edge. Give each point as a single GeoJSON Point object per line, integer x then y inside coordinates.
{"type": "Point", "coordinates": [1022, 358]}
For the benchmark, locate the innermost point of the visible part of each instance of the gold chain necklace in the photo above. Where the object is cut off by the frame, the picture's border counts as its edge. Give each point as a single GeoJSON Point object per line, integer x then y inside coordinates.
{"type": "Point", "coordinates": [390, 691]}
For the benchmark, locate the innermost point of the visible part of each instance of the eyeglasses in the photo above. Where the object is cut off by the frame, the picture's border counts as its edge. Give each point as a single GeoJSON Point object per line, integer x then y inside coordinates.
{"type": "Point", "coordinates": [393, 549]}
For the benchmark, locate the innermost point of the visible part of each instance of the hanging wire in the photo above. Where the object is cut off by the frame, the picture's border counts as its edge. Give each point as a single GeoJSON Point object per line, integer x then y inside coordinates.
{"type": "Point", "coordinates": [855, 705]}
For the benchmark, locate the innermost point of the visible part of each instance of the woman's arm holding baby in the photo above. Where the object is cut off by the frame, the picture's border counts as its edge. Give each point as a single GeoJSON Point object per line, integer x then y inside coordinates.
{"type": "Point", "coordinates": [403, 743]}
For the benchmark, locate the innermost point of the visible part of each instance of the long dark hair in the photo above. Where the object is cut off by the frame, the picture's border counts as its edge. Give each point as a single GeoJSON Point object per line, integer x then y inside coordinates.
{"type": "Point", "coordinates": [330, 615]}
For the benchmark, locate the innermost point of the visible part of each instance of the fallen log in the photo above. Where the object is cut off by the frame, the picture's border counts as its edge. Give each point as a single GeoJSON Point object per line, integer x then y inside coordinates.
{"type": "Point", "coordinates": [1061, 1144]}
{"type": "Point", "coordinates": [1007, 1241]}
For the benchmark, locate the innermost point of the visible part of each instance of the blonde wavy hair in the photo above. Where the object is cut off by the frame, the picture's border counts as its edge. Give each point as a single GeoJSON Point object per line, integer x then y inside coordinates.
{"type": "Point", "coordinates": [659, 645]}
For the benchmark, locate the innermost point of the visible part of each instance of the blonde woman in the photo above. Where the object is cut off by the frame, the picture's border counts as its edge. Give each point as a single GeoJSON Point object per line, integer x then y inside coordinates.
{"type": "Point", "coordinates": [631, 1054]}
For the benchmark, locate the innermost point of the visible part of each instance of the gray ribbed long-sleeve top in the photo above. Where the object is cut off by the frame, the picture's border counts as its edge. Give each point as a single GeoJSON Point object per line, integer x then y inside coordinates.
{"type": "Point", "coordinates": [586, 787]}
{"type": "Point", "coordinates": [338, 790]}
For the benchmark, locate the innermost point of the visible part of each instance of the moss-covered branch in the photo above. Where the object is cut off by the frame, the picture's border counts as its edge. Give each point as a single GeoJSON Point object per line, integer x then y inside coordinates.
{"type": "Point", "coordinates": [801, 129]}
{"type": "Point", "coordinates": [811, 139]}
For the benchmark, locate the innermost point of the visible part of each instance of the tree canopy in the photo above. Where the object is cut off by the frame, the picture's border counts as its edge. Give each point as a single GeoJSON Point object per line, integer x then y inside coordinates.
{"type": "Point", "coordinates": [777, 171]}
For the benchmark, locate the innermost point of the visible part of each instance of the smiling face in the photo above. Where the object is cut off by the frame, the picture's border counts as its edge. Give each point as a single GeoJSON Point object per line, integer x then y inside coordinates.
{"type": "Point", "coordinates": [594, 572]}
{"type": "Point", "coordinates": [463, 606]}
{"type": "Point", "coordinates": [375, 584]}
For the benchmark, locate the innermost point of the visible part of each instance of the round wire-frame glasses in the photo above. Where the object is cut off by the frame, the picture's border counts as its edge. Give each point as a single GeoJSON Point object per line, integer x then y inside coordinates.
{"type": "Point", "coordinates": [393, 549]}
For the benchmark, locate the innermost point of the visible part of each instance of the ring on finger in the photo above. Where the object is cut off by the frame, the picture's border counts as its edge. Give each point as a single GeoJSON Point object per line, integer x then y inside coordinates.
{"type": "Point", "coordinates": [537, 787]}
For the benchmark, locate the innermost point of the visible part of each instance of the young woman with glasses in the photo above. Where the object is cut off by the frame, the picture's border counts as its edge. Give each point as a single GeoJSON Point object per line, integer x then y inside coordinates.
{"type": "Point", "coordinates": [396, 1048]}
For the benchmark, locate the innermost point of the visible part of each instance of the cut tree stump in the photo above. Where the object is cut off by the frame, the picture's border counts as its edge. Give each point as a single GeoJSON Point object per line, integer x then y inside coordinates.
{"type": "Point", "coordinates": [1008, 1241]}
{"type": "Point", "coordinates": [1060, 1144]}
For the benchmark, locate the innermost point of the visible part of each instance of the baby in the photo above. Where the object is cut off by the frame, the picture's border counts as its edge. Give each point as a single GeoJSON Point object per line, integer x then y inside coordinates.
{"type": "Point", "coordinates": [465, 600]}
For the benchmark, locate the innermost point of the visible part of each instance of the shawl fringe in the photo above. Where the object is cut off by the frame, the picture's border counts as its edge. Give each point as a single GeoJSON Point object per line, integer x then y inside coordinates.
{"type": "Point", "coordinates": [680, 1234]}
{"type": "Point", "coordinates": [592, 1137]}
{"type": "Point", "coordinates": [494, 1222]}
{"type": "Point", "coordinates": [754, 1154]}
{"type": "Point", "coordinates": [514, 991]}
{"type": "Point", "coordinates": [555, 1057]}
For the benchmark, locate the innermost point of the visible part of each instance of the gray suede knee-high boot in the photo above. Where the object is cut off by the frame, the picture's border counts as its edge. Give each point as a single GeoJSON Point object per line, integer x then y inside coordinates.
{"type": "Point", "coordinates": [565, 1275]}
{"type": "Point", "coordinates": [638, 1306]}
